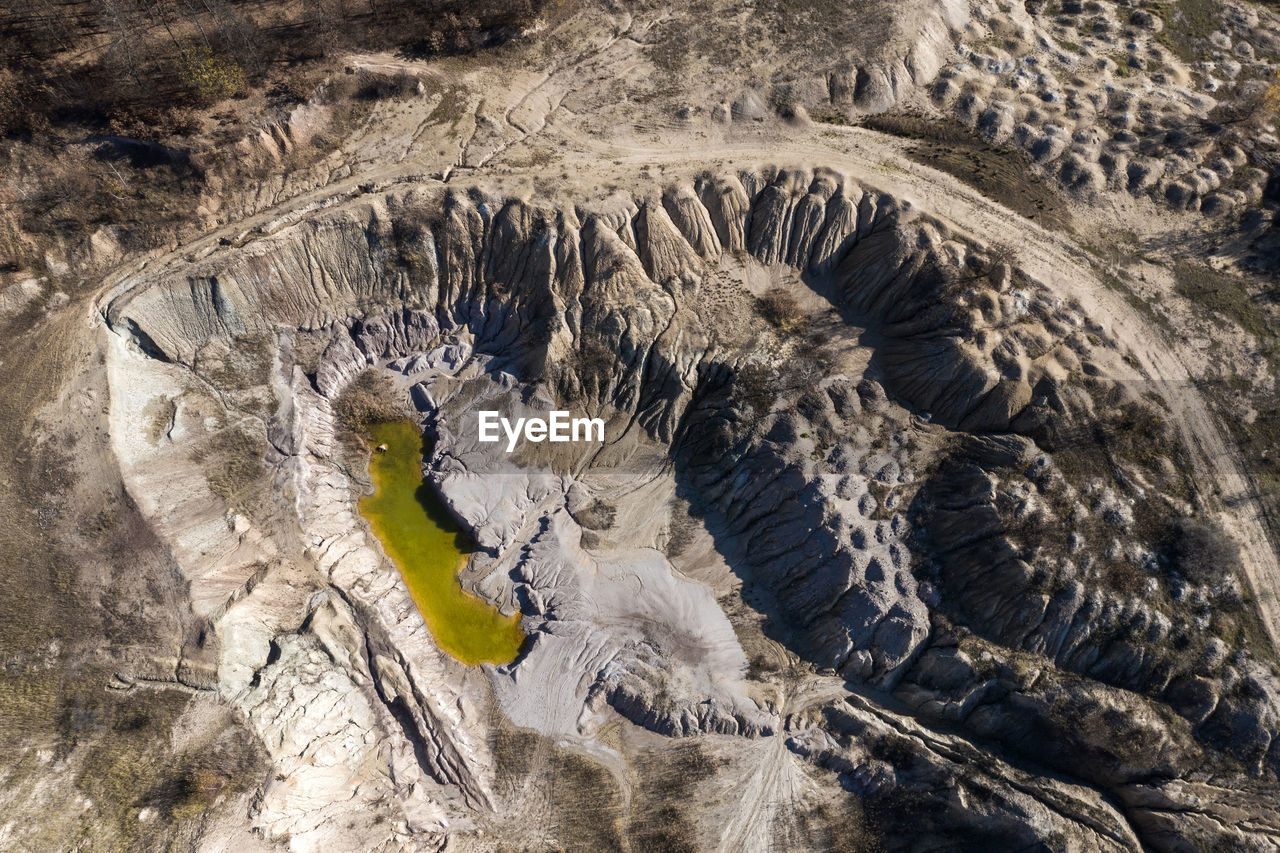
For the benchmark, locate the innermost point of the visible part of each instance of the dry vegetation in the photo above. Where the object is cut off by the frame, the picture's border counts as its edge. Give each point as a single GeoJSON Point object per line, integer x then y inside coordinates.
{"type": "Point", "coordinates": [781, 309]}
{"type": "Point", "coordinates": [1226, 296]}
{"type": "Point", "coordinates": [1201, 552]}
{"type": "Point", "coordinates": [584, 809]}
{"type": "Point", "coordinates": [232, 463]}
{"type": "Point", "coordinates": [136, 63]}
{"type": "Point", "coordinates": [1006, 177]}
{"type": "Point", "coordinates": [116, 115]}
{"type": "Point", "coordinates": [89, 587]}
{"type": "Point", "coordinates": [371, 398]}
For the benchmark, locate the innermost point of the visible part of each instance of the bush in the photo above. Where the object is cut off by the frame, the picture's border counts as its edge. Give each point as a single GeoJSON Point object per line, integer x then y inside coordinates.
{"type": "Point", "coordinates": [371, 398]}
{"type": "Point", "coordinates": [210, 78]}
{"type": "Point", "coordinates": [1200, 552]}
{"type": "Point", "coordinates": [781, 309]}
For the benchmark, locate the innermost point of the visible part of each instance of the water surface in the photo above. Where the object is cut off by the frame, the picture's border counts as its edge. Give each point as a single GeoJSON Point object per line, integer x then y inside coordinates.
{"type": "Point", "coordinates": [423, 541]}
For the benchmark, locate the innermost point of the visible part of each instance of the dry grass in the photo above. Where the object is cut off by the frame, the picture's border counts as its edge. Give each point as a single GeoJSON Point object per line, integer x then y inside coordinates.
{"type": "Point", "coordinates": [160, 412]}
{"type": "Point", "coordinates": [823, 24]}
{"type": "Point", "coordinates": [1003, 176]}
{"type": "Point", "coordinates": [369, 399]}
{"type": "Point", "coordinates": [233, 464]}
{"type": "Point", "coordinates": [1187, 25]}
{"type": "Point", "coordinates": [134, 768]}
{"type": "Point", "coordinates": [39, 603]}
{"type": "Point", "coordinates": [781, 309]}
{"type": "Point", "coordinates": [1227, 296]}
{"type": "Point", "coordinates": [452, 107]}
{"type": "Point", "coordinates": [584, 808]}
{"type": "Point", "coordinates": [91, 64]}
{"type": "Point", "coordinates": [69, 197]}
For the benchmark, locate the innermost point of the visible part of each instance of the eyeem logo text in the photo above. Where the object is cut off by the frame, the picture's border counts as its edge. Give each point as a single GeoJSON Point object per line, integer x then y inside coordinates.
{"type": "Point", "coordinates": [560, 427]}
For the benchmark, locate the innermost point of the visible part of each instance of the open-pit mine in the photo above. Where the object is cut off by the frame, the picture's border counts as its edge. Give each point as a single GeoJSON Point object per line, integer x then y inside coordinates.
{"type": "Point", "coordinates": [596, 425]}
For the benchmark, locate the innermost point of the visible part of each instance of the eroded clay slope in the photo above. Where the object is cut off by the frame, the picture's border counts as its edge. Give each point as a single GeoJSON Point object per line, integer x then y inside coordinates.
{"type": "Point", "coordinates": [821, 401]}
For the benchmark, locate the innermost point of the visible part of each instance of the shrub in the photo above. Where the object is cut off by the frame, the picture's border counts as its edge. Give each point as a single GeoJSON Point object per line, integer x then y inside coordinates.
{"type": "Point", "coordinates": [369, 399]}
{"type": "Point", "coordinates": [781, 309]}
{"type": "Point", "coordinates": [1200, 552]}
{"type": "Point", "coordinates": [208, 77]}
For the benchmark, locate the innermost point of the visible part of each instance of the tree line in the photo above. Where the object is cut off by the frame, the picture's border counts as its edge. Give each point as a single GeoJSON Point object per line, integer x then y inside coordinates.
{"type": "Point", "coordinates": [94, 62]}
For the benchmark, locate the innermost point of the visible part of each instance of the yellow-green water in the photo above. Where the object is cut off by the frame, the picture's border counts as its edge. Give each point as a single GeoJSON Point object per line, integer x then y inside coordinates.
{"type": "Point", "coordinates": [429, 549]}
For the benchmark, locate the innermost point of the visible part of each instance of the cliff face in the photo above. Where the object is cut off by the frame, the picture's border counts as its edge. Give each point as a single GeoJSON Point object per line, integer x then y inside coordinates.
{"type": "Point", "coordinates": [868, 469]}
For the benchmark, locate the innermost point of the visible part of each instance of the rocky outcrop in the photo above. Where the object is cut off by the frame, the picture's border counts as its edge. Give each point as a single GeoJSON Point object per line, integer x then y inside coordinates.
{"type": "Point", "coordinates": [962, 339]}
{"type": "Point", "coordinates": [978, 518]}
{"type": "Point", "coordinates": [982, 801]}
{"type": "Point", "coordinates": [589, 300]}
{"type": "Point", "coordinates": [1129, 124]}
{"type": "Point", "coordinates": [803, 519]}
{"type": "Point", "coordinates": [898, 66]}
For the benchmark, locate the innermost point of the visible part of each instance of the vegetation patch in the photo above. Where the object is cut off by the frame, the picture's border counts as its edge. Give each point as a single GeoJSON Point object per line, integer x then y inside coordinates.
{"type": "Point", "coordinates": [584, 806]}
{"type": "Point", "coordinates": [136, 59]}
{"type": "Point", "coordinates": [1187, 25]}
{"type": "Point", "coordinates": [670, 779]}
{"type": "Point", "coordinates": [160, 413]}
{"type": "Point", "coordinates": [242, 370]}
{"type": "Point", "coordinates": [371, 398]}
{"type": "Point", "coordinates": [673, 44]}
{"type": "Point", "coordinates": [1006, 177]}
{"type": "Point", "coordinates": [591, 370]}
{"type": "Point", "coordinates": [829, 117]}
{"type": "Point", "coordinates": [599, 515]}
{"type": "Point", "coordinates": [781, 309]}
{"type": "Point", "coordinates": [382, 87]}
{"type": "Point", "coordinates": [130, 766]}
{"type": "Point", "coordinates": [71, 198]}
{"type": "Point", "coordinates": [233, 464]}
{"type": "Point", "coordinates": [1226, 296]}
{"type": "Point", "coordinates": [821, 24]}
{"type": "Point", "coordinates": [452, 107]}
{"type": "Point", "coordinates": [1201, 552]}
{"type": "Point", "coordinates": [755, 388]}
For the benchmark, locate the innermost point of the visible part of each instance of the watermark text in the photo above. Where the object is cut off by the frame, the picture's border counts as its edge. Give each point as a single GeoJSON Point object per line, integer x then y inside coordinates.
{"type": "Point", "coordinates": [559, 427]}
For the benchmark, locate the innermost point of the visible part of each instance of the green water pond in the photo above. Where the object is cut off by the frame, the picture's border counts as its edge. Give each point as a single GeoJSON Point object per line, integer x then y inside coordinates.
{"type": "Point", "coordinates": [423, 541]}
